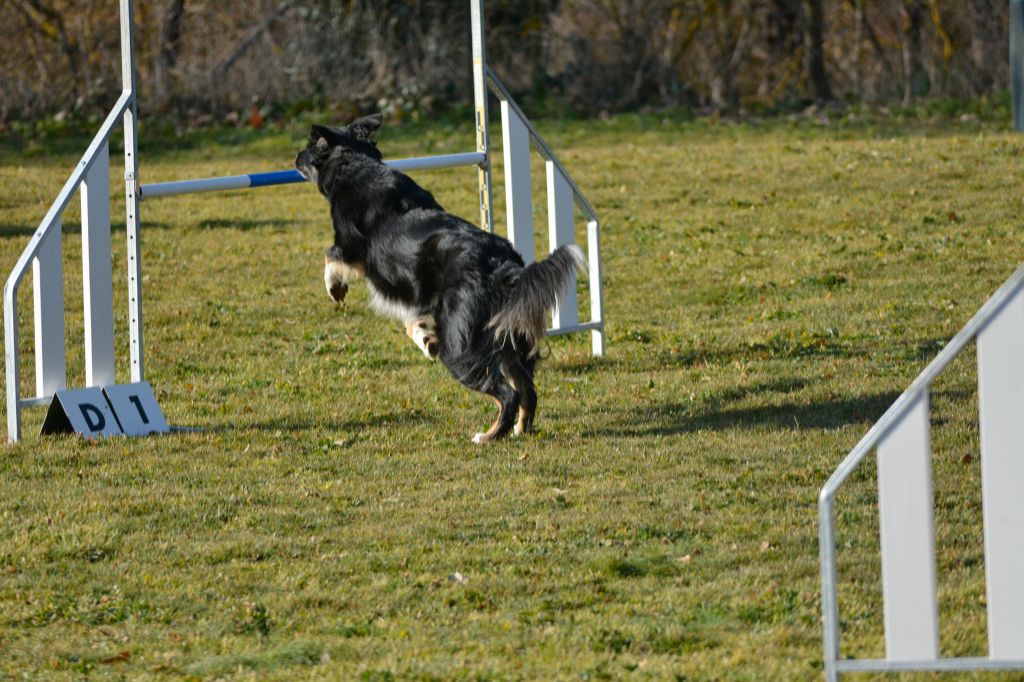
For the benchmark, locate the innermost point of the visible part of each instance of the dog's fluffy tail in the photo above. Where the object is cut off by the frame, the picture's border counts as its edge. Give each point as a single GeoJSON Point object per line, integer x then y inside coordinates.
{"type": "Point", "coordinates": [536, 291]}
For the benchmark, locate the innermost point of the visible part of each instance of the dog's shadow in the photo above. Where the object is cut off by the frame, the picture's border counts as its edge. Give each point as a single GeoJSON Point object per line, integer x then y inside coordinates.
{"type": "Point", "coordinates": [297, 425]}
{"type": "Point", "coordinates": [716, 414]}
{"type": "Point", "coordinates": [17, 230]}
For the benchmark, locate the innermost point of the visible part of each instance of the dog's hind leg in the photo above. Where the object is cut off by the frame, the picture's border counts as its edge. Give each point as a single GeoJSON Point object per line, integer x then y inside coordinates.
{"type": "Point", "coordinates": [521, 380]}
{"type": "Point", "coordinates": [508, 406]}
{"type": "Point", "coordinates": [424, 334]}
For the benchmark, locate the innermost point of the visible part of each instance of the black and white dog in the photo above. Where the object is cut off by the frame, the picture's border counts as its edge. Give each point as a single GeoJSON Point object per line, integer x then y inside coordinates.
{"type": "Point", "coordinates": [464, 294]}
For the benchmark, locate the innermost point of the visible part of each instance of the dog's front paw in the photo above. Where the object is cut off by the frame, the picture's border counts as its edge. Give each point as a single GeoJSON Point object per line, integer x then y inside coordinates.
{"type": "Point", "coordinates": [480, 438]}
{"type": "Point", "coordinates": [334, 280]}
{"type": "Point", "coordinates": [337, 291]}
{"type": "Point", "coordinates": [424, 335]}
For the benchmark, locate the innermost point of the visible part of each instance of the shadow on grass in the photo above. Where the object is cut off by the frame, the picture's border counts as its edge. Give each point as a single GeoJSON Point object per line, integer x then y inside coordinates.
{"type": "Point", "coordinates": [242, 224]}
{"type": "Point", "coordinates": [674, 418]}
{"type": "Point", "coordinates": [70, 227]}
{"type": "Point", "coordinates": [297, 424]}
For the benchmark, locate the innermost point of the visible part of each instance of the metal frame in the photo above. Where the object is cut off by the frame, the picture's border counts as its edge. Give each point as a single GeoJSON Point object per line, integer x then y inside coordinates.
{"type": "Point", "coordinates": [91, 175]}
{"type": "Point", "coordinates": [513, 116]}
{"type": "Point", "coordinates": [43, 255]}
{"type": "Point", "coordinates": [901, 438]}
{"type": "Point", "coordinates": [518, 135]}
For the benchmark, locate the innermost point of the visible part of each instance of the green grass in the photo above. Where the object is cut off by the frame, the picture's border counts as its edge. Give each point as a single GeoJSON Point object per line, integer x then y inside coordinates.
{"type": "Point", "coordinates": [770, 289]}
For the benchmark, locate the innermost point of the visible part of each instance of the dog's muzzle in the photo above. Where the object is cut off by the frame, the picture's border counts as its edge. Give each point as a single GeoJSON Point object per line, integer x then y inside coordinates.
{"type": "Point", "coordinates": [304, 167]}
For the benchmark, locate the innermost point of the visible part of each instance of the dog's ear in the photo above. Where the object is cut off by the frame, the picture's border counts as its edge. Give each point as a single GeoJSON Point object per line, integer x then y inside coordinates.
{"type": "Point", "coordinates": [366, 127]}
{"type": "Point", "coordinates": [320, 137]}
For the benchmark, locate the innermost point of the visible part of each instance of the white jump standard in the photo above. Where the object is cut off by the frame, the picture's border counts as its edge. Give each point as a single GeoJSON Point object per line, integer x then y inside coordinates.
{"type": "Point", "coordinates": [902, 440]}
{"type": "Point", "coordinates": [91, 177]}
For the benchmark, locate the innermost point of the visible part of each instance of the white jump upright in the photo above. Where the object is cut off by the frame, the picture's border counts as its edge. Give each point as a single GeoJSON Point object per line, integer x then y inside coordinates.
{"type": "Point", "coordinates": [1000, 381]}
{"type": "Point", "coordinates": [48, 292]}
{"type": "Point", "coordinates": [561, 221]}
{"type": "Point", "coordinates": [92, 178]}
{"type": "Point", "coordinates": [97, 272]}
{"type": "Point", "coordinates": [518, 190]}
{"type": "Point", "coordinates": [907, 536]}
{"type": "Point", "coordinates": [902, 440]}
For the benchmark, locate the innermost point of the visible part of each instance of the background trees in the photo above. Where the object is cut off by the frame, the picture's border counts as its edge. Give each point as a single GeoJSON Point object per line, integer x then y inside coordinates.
{"type": "Point", "coordinates": [215, 57]}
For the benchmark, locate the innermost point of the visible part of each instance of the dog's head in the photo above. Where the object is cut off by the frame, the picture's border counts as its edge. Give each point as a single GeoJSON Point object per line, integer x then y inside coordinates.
{"type": "Point", "coordinates": [328, 144]}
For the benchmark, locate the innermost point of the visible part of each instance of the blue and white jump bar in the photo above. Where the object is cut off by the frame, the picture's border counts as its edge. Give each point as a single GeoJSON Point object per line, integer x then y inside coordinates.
{"type": "Point", "coordinates": [288, 177]}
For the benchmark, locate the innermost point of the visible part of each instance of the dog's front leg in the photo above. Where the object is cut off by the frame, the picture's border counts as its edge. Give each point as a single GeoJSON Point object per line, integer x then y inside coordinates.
{"type": "Point", "coordinates": [423, 333]}
{"type": "Point", "coordinates": [338, 274]}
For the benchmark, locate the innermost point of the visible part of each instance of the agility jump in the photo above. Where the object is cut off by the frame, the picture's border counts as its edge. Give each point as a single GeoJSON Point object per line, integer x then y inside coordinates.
{"type": "Point", "coordinates": [91, 177]}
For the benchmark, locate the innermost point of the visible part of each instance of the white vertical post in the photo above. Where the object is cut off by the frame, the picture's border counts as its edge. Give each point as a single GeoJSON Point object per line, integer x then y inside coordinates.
{"type": "Point", "coordinates": [907, 537]}
{"type": "Point", "coordinates": [11, 361]}
{"type": "Point", "coordinates": [560, 231]}
{"type": "Point", "coordinates": [48, 294]}
{"type": "Point", "coordinates": [131, 177]}
{"type": "Point", "coordinates": [483, 140]}
{"type": "Point", "coordinates": [1000, 382]}
{"type": "Point", "coordinates": [596, 293]}
{"type": "Point", "coordinates": [518, 192]}
{"type": "Point", "coordinates": [97, 277]}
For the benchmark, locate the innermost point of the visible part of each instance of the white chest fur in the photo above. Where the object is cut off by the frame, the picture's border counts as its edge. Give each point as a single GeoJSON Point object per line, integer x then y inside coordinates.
{"type": "Point", "coordinates": [382, 305]}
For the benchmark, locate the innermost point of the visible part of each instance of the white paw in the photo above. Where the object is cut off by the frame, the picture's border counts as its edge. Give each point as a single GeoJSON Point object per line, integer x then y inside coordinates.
{"type": "Point", "coordinates": [429, 347]}
{"type": "Point", "coordinates": [517, 430]}
{"type": "Point", "coordinates": [479, 438]}
{"type": "Point", "coordinates": [423, 336]}
{"type": "Point", "coordinates": [334, 280]}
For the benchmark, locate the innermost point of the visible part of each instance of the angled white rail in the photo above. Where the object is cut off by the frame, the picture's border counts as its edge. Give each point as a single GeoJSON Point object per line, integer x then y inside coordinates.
{"type": "Point", "coordinates": [901, 438]}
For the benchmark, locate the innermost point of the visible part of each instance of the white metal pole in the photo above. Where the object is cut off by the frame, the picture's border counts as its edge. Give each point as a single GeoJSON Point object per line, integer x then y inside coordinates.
{"type": "Point", "coordinates": [12, 363]}
{"type": "Point", "coordinates": [597, 340]}
{"type": "Point", "coordinates": [483, 141]}
{"type": "Point", "coordinates": [829, 607]}
{"type": "Point", "coordinates": [132, 198]}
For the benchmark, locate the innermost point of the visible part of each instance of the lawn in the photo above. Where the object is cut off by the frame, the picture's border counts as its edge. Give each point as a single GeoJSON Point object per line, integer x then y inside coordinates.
{"type": "Point", "coordinates": [770, 289]}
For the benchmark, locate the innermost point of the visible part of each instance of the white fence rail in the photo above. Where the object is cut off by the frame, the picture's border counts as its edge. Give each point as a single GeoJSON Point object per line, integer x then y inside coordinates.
{"type": "Point", "coordinates": [902, 439]}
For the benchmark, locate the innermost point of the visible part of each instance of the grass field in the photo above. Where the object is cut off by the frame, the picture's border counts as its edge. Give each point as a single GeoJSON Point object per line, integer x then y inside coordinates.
{"type": "Point", "coordinates": [770, 289]}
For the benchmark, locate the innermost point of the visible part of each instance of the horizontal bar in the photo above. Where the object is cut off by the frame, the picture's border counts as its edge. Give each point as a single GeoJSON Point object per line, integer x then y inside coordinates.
{"type": "Point", "coordinates": [287, 177]}
{"type": "Point", "coordinates": [441, 161]}
{"type": "Point", "coordinates": [923, 381]}
{"type": "Point", "coordinates": [169, 189]}
{"type": "Point", "coordinates": [40, 400]}
{"type": "Point", "coordinates": [584, 327]}
{"type": "Point", "coordinates": [940, 665]}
